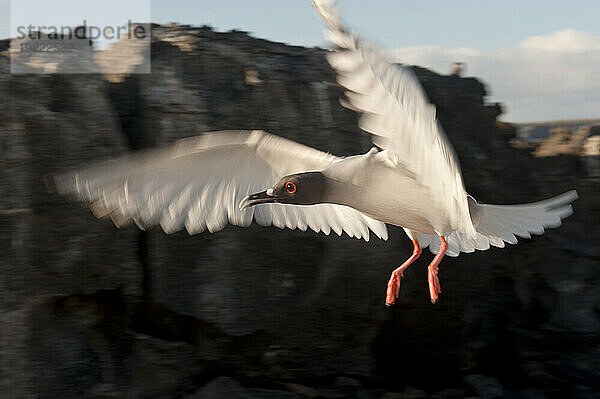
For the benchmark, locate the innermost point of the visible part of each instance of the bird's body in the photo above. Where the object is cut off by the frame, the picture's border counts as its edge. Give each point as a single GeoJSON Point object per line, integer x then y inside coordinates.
{"type": "Point", "coordinates": [386, 192]}
{"type": "Point", "coordinates": [412, 180]}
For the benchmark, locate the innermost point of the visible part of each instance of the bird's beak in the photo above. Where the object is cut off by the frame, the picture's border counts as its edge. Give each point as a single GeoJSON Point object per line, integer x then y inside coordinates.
{"type": "Point", "coordinates": [263, 197]}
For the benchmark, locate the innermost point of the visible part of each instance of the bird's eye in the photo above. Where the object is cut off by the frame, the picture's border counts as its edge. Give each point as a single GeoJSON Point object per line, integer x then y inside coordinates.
{"type": "Point", "coordinates": [290, 187]}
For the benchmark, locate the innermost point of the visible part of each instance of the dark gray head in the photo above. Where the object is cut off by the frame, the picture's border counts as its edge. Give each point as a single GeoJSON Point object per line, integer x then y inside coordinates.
{"type": "Point", "coordinates": [299, 189]}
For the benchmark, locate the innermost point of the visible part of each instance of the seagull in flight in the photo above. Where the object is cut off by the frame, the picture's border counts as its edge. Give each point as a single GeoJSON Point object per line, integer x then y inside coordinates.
{"type": "Point", "coordinates": [411, 178]}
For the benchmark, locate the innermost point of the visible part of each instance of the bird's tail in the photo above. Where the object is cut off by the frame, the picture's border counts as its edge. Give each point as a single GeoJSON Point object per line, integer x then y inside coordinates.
{"type": "Point", "coordinates": [497, 224]}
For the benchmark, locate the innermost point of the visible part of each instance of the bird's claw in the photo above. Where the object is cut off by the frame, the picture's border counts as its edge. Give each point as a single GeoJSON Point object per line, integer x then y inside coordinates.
{"type": "Point", "coordinates": [393, 288]}
{"type": "Point", "coordinates": [434, 283]}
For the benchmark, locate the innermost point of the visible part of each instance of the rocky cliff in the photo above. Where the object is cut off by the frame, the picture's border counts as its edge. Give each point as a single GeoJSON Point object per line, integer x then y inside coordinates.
{"type": "Point", "coordinates": [88, 310]}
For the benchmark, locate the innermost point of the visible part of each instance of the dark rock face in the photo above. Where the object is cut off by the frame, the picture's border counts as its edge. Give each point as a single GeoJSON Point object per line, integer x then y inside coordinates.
{"type": "Point", "coordinates": [92, 311]}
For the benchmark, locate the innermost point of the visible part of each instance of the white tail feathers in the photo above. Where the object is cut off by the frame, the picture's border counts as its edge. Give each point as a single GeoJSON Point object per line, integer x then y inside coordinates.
{"type": "Point", "coordinates": [497, 224]}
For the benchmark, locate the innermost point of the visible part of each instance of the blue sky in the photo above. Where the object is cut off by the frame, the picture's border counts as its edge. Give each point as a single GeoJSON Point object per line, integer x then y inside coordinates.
{"type": "Point", "coordinates": [539, 57]}
{"type": "Point", "coordinates": [483, 24]}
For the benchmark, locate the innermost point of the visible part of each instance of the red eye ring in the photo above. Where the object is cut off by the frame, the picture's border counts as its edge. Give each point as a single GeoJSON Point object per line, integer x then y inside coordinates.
{"type": "Point", "coordinates": [290, 187]}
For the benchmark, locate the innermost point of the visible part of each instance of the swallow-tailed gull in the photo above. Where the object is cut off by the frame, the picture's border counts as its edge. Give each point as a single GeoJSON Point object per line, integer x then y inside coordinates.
{"type": "Point", "coordinates": [412, 180]}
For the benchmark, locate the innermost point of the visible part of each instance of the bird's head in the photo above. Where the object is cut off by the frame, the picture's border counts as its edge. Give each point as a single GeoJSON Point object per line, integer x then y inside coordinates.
{"type": "Point", "coordinates": [299, 189]}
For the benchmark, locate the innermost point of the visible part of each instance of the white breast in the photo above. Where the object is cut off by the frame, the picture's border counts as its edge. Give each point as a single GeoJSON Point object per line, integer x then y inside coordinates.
{"type": "Point", "coordinates": [385, 192]}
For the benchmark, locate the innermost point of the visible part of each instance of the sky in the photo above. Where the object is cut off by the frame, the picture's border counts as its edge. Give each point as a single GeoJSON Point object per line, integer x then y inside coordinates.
{"type": "Point", "coordinates": [539, 58]}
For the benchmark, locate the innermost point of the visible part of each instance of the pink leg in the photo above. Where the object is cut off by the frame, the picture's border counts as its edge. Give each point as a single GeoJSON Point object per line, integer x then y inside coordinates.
{"type": "Point", "coordinates": [434, 281]}
{"type": "Point", "coordinates": [393, 287]}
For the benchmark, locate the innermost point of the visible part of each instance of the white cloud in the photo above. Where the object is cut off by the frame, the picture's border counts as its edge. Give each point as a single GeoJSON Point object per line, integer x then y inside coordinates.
{"type": "Point", "coordinates": [544, 77]}
{"type": "Point", "coordinates": [562, 41]}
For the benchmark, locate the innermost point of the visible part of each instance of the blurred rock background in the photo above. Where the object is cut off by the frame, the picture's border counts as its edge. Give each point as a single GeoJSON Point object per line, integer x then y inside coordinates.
{"type": "Point", "coordinates": [87, 310]}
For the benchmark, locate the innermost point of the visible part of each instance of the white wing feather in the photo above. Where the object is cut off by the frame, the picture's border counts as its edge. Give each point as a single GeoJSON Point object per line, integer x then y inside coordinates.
{"type": "Point", "coordinates": [197, 184]}
{"type": "Point", "coordinates": [397, 112]}
{"type": "Point", "coordinates": [497, 224]}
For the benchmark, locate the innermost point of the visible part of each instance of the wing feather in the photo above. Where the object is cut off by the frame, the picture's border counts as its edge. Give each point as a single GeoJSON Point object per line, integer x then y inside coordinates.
{"type": "Point", "coordinates": [398, 113]}
{"type": "Point", "coordinates": [197, 184]}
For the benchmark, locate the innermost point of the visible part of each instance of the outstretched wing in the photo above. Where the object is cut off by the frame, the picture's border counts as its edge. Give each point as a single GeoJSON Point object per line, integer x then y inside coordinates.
{"type": "Point", "coordinates": [398, 114]}
{"type": "Point", "coordinates": [197, 184]}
